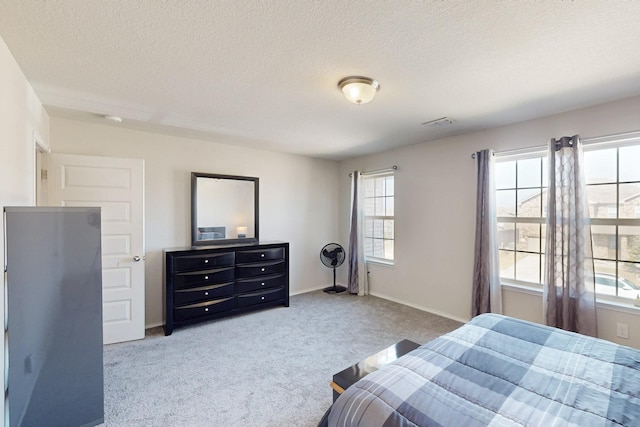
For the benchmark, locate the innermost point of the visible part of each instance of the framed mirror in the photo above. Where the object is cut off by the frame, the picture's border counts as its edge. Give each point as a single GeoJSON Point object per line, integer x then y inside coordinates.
{"type": "Point", "coordinates": [224, 209]}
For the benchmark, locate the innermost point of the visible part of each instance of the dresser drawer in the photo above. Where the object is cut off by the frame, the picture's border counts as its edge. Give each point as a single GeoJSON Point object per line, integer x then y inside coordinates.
{"type": "Point", "coordinates": [262, 282]}
{"type": "Point", "coordinates": [255, 298]}
{"type": "Point", "coordinates": [192, 311]}
{"type": "Point", "coordinates": [258, 255]}
{"type": "Point", "coordinates": [260, 268]}
{"type": "Point", "coordinates": [202, 278]}
{"type": "Point", "coordinates": [203, 261]}
{"type": "Point", "coordinates": [203, 293]}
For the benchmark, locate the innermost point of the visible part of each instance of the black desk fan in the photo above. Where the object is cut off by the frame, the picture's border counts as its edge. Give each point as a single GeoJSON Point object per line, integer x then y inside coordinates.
{"type": "Point", "coordinates": [332, 255]}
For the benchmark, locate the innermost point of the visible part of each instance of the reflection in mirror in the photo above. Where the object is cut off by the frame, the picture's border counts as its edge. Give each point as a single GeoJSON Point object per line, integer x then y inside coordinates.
{"type": "Point", "coordinates": [224, 209]}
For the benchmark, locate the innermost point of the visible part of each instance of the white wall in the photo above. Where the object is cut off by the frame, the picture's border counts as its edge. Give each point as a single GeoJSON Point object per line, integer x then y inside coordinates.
{"type": "Point", "coordinates": [22, 119]}
{"type": "Point", "coordinates": [298, 195]}
{"type": "Point", "coordinates": [435, 213]}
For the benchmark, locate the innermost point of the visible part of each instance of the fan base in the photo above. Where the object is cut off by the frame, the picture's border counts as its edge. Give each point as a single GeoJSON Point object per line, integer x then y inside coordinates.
{"type": "Point", "coordinates": [335, 289]}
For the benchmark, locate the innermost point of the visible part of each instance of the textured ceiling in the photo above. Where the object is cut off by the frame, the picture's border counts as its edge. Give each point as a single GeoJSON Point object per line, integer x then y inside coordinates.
{"type": "Point", "coordinates": [265, 73]}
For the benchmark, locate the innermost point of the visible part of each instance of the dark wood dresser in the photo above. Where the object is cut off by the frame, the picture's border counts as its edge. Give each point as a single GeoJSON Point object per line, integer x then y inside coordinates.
{"type": "Point", "coordinates": [204, 283]}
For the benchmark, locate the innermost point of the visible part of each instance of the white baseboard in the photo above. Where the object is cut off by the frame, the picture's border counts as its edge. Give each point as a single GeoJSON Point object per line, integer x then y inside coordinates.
{"type": "Point", "coordinates": [154, 325]}
{"type": "Point", "coordinates": [304, 291]}
{"type": "Point", "coordinates": [319, 288]}
{"type": "Point", "coordinates": [418, 307]}
{"type": "Point", "coordinates": [428, 310]}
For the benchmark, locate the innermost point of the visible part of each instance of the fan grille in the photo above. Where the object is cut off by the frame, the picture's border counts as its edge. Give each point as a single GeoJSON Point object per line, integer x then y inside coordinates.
{"type": "Point", "coordinates": [332, 255]}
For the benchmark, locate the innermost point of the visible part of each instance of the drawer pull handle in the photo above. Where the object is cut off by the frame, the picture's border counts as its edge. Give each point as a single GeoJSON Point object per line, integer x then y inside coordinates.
{"type": "Point", "coordinates": [206, 293]}
{"type": "Point", "coordinates": [262, 269]}
{"type": "Point", "coordinates": [206, 277]}
{"type": "Point", "coordinates": [206, 261]}
{"type": "Point", "coordinates": [262, 255]}
{"type": "Point", "coordinates": [206, 309]}
{"type": "Point", "coordinates": [262, 298]}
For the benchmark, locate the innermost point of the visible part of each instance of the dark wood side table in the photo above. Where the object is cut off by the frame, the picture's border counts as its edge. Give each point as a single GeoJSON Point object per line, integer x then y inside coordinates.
{"type": "Point", "coordinates": [346, 378]}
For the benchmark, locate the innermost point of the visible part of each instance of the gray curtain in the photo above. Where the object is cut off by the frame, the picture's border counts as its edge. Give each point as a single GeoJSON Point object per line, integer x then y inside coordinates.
{"type": "Point", "coordinates": [487, 295]}
{"type": "Point", "coordinates": [569, 288]}
{"type": "Point", "coordinates": [357, 268]}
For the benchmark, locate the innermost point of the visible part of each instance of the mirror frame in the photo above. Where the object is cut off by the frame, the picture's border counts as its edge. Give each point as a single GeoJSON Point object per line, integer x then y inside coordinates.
{"type": "Point", "coordinates": [194, 209]}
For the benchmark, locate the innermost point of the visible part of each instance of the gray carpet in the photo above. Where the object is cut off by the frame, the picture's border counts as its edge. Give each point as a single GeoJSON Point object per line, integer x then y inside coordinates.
{"type": "Point", "coordinates": [266, 368]}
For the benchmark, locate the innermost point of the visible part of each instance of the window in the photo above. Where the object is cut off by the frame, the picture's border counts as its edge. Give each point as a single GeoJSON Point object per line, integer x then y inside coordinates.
{"type": "Point", "coordinates": [521, 187]}
{"type": "Point", "coordinates": [379, 217]}
{"type": "Point", "coordinates": [613, 191]}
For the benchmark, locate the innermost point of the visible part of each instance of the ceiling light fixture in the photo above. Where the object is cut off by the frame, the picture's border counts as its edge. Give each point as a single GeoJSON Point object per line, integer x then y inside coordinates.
{"type": "Point", "coordinates": [358, 89]}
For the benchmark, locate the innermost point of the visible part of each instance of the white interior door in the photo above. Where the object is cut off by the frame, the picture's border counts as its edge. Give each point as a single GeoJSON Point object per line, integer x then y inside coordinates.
{"type": "Point", "coordinates": [117, 186]}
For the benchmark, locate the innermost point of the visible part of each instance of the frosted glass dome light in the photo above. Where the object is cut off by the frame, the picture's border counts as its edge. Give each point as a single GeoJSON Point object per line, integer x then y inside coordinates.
{"type": "Point", "coordinates": [358, 89]}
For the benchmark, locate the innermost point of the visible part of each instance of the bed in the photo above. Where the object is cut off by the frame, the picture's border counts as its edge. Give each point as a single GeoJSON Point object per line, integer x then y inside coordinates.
{"type": "Point", "coordinates": [211, 233]}
{"type": "Point", "coordinates": [500, 371]}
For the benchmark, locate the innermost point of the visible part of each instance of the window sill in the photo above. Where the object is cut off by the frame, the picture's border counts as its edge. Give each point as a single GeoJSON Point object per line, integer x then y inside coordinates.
{"type": "Point", "coordinates": [525, 289]}
{"type": "Point", "coordinates": [623, 305]}
{"type": "Point", "coordinates": [380, 262]}
{"type": "Point", "coordinates": [614, 304]}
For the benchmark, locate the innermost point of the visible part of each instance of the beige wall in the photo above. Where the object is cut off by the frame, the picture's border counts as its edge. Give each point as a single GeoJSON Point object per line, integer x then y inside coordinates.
{"type": "Point", "coordinates": [298, 195]}
{"type": "Point", "coordinates": [22, 120]}
{"type": "Point", "coordinates": [435, 213]}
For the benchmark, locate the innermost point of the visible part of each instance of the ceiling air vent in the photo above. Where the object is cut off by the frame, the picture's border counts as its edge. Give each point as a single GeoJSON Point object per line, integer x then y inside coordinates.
{"type": "Point", "coordinates": [441, 122]}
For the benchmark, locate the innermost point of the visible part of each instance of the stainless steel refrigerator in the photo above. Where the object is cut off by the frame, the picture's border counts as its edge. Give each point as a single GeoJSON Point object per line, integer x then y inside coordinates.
{"type": "Point", "coordinates": [53, 319]}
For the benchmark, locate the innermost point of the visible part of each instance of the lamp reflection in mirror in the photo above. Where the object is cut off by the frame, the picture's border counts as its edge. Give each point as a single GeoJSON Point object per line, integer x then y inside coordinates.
{"type": "Point", "coordinates": [242, 232]}
{"type": "Point", "coordinates": [358, 89]}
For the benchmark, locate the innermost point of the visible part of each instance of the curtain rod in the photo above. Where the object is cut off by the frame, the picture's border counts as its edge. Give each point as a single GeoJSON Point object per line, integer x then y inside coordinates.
{"type": "Point", "coordinates": [392, 168]}
{"type": "Point", "coordinates": [585, 141]}
{"type": "Point", "coordinates": [473, 155]}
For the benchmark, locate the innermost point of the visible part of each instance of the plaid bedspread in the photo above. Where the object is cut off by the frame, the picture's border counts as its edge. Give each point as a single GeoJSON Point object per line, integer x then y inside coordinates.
{"type": "Point", "coordinates": [499, 371]}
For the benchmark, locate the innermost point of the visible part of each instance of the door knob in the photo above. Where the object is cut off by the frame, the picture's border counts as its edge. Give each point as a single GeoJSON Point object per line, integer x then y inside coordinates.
{"type": "Point", "coordinates": [136, 258]}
